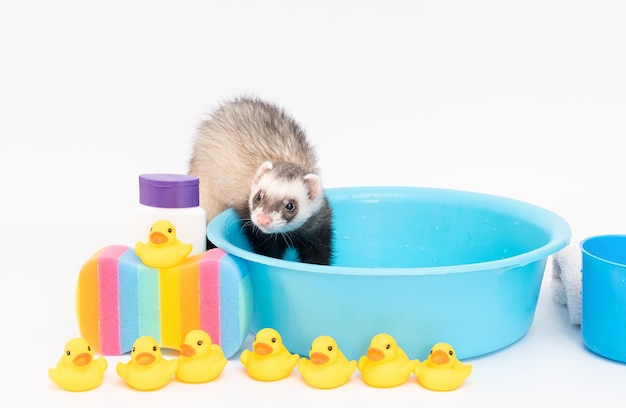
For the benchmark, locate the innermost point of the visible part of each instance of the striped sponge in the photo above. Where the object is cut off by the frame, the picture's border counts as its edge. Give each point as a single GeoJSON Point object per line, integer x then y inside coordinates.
{"type": "Point", "coordinates": [119, 299]}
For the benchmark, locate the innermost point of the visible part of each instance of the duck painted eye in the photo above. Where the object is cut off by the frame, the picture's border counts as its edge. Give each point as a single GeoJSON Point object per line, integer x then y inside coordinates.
{"type": "Point", "coordinates": [290, 206]}
{"type": "Point", "coordinates": [388, 346]}
{"type": "Point", "coordinates": [154, 348]}
{"type": "Point", "coordinates": [169, 230]}
{"type": "Point", "coordinates": [68, 352]}
{"type": "Point", "coordinates": [133, 349]}
{"type": "Point", "coordinates": [330, 348]}
{"type": "Point", "coordinates": [451, 352]}
{"type": "Point", "coordinates": [199, 342]}
{"type": "Point", "coordinates": [88, 348]}
{"type": "Point", "coordinates": [273, 339]}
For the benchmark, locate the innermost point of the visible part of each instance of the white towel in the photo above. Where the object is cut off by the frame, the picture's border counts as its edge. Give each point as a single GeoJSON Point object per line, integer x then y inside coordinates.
{"type": "Point", "coordinates": [567, 281]}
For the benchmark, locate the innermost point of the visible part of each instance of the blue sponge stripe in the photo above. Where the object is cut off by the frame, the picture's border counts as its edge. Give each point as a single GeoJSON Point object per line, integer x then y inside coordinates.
{"type": "Point", "coordinates": [233, 300]}
{"type": "Point", "coordinates": [149, 304]}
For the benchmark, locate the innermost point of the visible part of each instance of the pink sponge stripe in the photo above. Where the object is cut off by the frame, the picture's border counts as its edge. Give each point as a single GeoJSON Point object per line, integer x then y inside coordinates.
{"type": "Point", "coordinates": [209, 293]}
{"type": "Point", "coordinates": [109, 299]}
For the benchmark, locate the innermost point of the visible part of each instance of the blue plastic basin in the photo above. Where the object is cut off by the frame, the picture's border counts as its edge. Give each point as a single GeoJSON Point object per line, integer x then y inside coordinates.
{"type": "Point", "coordinates": [424, 265]}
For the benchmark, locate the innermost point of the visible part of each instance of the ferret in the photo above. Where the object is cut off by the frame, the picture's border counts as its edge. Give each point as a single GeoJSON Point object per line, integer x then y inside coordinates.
{"type": "Point", "coordinates": [250, 155]}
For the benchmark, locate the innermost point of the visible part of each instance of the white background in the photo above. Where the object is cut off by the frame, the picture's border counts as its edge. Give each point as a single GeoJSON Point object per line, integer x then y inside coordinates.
{"type": "Point", "coordinates": [521, 99]}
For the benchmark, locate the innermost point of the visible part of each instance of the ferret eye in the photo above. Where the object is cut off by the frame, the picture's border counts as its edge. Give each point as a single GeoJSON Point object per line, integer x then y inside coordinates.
{"type": "Point", "coordinates": [290, 207]}
{"type": "Point", "coordinates": [258, 197]}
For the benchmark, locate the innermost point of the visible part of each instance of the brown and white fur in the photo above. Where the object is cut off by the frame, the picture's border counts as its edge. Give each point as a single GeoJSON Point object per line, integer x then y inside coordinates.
{"type": "Point", "coordinates": [253, 157]}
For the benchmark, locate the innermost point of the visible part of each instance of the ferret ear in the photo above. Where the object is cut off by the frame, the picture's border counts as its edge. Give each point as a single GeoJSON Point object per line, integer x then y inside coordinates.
{"type": "Point", "coordinates": [263, 168]}
{"type": "Point", "coordinates": [314, 185]}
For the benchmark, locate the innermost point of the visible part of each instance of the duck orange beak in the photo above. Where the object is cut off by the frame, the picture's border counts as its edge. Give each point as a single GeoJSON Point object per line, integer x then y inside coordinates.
{"type": "Point", "coordinates": [144, 358]}
{"type": "Point", "coordinates": [375, 354]}
{"type": "Point", "coordinates": [262, 349]}
{"type": "Point", "coordinates": [158, 238]}
{"type": "Point", "coordinates": [82, 359]}
{"type": "Point", "coordinates": [439, 357]}
{"type": "Point", "coordinates": [318, 358]}
{"type": "Point", "coordinates": [186, 350]}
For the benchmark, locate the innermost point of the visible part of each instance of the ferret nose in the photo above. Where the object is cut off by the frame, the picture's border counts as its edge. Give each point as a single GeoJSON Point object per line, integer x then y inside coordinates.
{"type": "Point", "coordinates": [263, 219]}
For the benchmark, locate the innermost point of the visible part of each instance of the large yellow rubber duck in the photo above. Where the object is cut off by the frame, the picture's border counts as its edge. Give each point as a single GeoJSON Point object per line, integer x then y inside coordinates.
{"type": "Point", "coordinates": [77, 370]}
{"type": "Point", "coordinates": [269, 359]}
{"type": "Point", "coordinates": [163, 249]}
{"type": "Point", "coordinates": [147, 370]}
{"type": "Point", "coordinates": [385, 364]}
{"type": "Point", "coordinates": [327, 366]}
{"type": "Point", "coordinates": [442, 371]}
{"type": "Point", "coordinates": [200, 360]}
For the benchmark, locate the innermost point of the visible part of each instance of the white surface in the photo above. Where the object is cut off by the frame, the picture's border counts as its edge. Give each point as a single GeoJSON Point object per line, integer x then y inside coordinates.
{"type": "Point", "coordinates": [519, 99]}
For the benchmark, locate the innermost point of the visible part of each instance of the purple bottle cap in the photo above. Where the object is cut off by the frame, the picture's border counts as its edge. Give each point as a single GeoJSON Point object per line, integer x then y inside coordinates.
{"type": "Point", "coordinates": [169, 190]}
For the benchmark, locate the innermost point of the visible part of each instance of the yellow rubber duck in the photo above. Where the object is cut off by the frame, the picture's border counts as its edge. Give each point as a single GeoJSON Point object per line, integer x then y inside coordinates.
{"type": "Point", "coordinates": [442, 371]}
{"type": "Point", "coordinates": [200, 360]}
{"type": "Point", "coordinates": [327, 366]}
{"type": "Point", "coordinates": [77, 370]}
{"type": "Point", "coordinates": [269, 359]}
{"type": "Point", "coordinates": [386, 364]}
{"type": "Point", "coordinates": [147, 370]}
{"type": "Point", "coordinates": [163, 249]}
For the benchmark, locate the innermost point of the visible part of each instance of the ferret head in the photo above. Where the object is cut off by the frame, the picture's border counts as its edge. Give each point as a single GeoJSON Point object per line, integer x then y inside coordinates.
{"type": "Point", "coordinates": [283, 197]}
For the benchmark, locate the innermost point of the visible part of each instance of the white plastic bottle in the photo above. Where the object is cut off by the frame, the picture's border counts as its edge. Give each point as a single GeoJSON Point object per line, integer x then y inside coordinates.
{"type": "Point", "coordinates": [176, 198]}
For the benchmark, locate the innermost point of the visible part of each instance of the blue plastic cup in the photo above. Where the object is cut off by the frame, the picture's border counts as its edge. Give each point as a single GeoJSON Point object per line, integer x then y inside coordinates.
{"type": "Point", "coordinates": [603, 323]}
